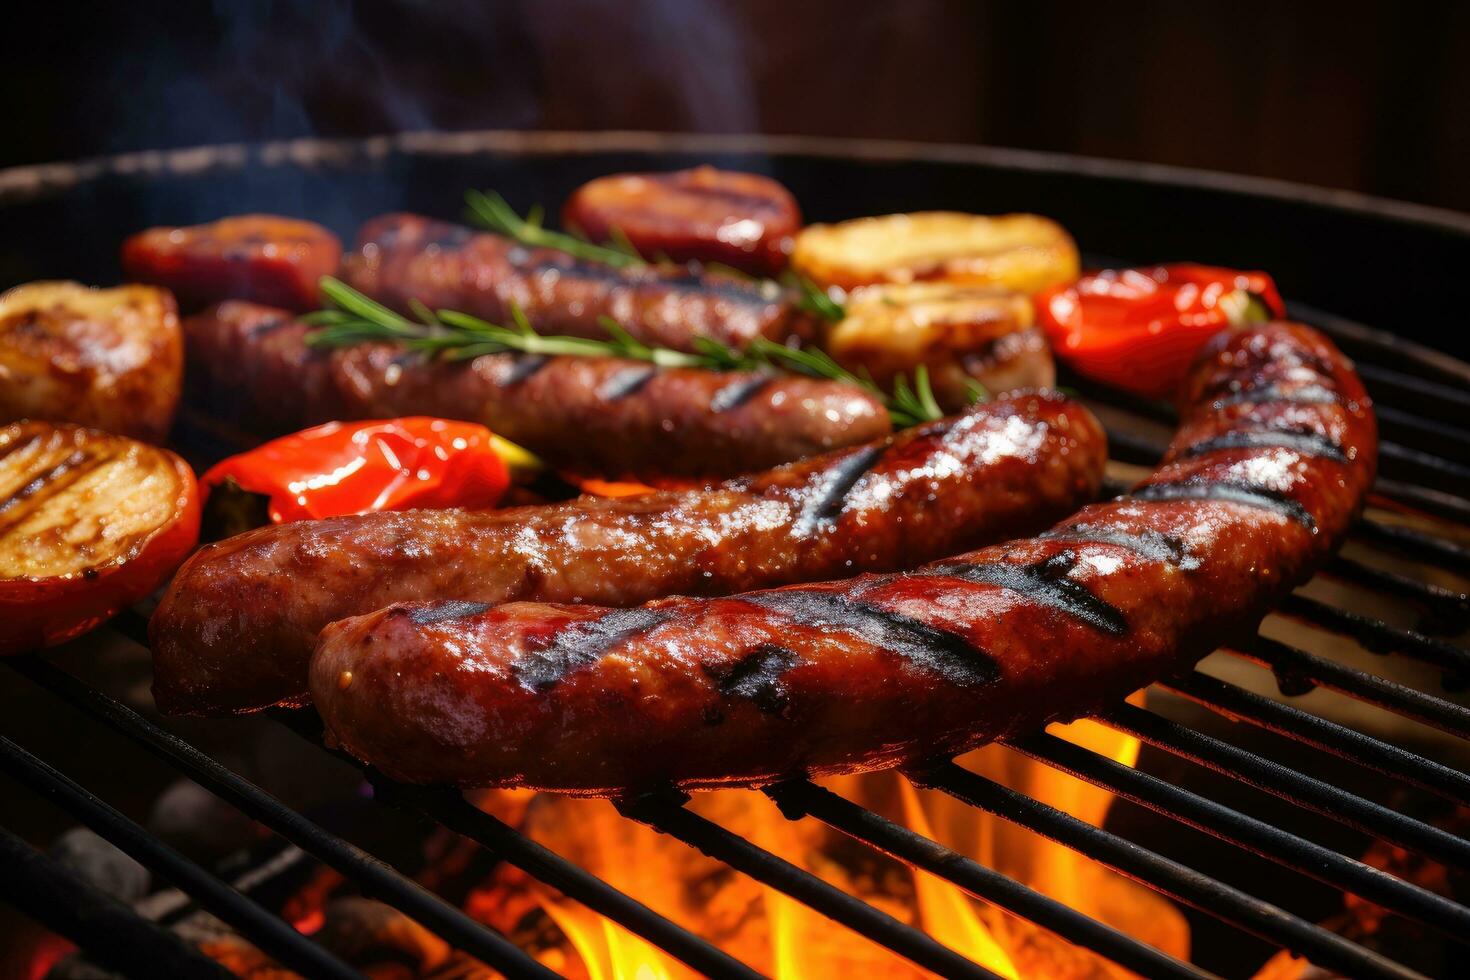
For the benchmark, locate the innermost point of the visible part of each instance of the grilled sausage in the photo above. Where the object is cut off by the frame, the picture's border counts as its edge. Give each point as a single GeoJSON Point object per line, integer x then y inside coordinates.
{"type": "Point", "coordinates": [606, 415]}
{"type": "Point", "coordinates": [109, 358]}
{"type": "Point", "coordinates": [401, 257]}
{"type": "Point", "coordinates": [701, 215]}
{"type": "Point", "coordinates": [236, 630]}
{"type": "Point", "coordinates": [1272, 462]}
{"type": "Point", "coordinates": [258, 257]}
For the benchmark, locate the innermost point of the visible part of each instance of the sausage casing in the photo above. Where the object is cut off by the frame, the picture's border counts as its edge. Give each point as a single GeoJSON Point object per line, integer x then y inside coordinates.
{"type": "Point", "coordinates": [602, 415]}
{"type": "Point", "coordinates": [237, 627]}
{"type": "Point", "coordinates": [1273, 459]}
{"type": "Point", "coordinates": [402, 257]}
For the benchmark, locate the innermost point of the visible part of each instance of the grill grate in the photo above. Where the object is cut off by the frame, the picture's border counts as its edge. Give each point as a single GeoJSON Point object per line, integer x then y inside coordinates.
{"type": "Point", "coordinates": [1426, 461]}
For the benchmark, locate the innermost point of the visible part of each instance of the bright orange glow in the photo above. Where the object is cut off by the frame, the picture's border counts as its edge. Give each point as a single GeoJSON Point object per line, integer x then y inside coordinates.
{"type": "Point", "coordinates": [789, 941]}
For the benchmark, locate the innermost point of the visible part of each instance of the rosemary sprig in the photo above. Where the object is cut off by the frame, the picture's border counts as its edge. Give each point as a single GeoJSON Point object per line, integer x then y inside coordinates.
{"type": "Point", "coordinates": [489, 209]}
{"type": "Point", "coordinates": [351, 318]}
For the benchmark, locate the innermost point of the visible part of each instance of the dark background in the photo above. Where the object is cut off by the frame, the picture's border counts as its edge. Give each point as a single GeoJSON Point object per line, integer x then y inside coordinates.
{"type": "Point", "coordinates": [1368, 97]}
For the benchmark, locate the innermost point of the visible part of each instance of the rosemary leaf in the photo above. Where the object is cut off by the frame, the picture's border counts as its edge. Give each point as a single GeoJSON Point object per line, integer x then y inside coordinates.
{"type": "Point", "coordinates": [353, 318]}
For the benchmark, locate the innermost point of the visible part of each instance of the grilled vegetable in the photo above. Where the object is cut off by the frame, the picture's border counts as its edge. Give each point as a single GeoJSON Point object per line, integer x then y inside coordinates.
{"type": "Point", "coordinates": [356, 467]}
{"type": "Point", "coordinates": [963, 335]}
{"type": "Point", "coordinates": [89, 523]}
{"type": "Point", "coordinates": [702, 215]}
{"type": "Point", "coordinates": [1023, 252]}
{"type": "Point", "coordinates": [1139, 329]}
{"type": "Point", "coordinates": [110, 358]}
{"type": "Point", "coordinates": [258, 257]}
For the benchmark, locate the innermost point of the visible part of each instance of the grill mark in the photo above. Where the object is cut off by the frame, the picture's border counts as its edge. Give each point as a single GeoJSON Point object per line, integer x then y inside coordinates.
{"type": "Point", "coordinates": [1046, 583]}
{"type": "Point", "coordinates": [685, 283]}
{"type": "Point", "coordinates": [1148, 543]}
{"type": "Point", "coordinates": [450, 609]}
{"type": "Point", "coordinates": [268, 326]}
{"type": "Point", "coordinates": [523, 368]}
{"type": "Point", "coordinates": [828, 499]}
{"type": "Point", "coordinates": [25, 501]}
{"type": "Point", "coordinates": [1309, 443]}
{"type": "Point", "coordinates": [738, 392]}
{"type": "Point", "coordinates": [757, 677]}
{"type": "Point", "coordinates": [1308, 395]}
{"type": "Point", "coordinates": [1234, 493]}
{"type": "Point", "coordinates": [625, 382]}
{"type": "Point", "coordinates": [17, 445]}
{"type": "Point", "coordinates": [580, 645]}
{"type": "Point", "coordinates": [927, 647]}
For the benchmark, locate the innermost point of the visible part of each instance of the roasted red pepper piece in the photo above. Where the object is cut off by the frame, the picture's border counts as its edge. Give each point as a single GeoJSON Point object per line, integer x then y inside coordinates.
{"type": "Point", "coordinates": [259, 257]}
{"type": "Point", "coordinates": [1139, 329]}
{"type": "Point", "coordinates": [356, 467]}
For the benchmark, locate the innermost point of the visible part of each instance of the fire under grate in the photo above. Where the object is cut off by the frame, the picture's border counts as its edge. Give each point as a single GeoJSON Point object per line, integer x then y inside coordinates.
{"type": "Point", "coordinates": [1425, 467]}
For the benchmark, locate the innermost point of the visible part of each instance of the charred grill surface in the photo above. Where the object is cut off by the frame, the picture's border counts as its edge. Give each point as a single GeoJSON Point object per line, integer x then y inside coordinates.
{"type": "Point", "coordinates": [885, 670]}
{"type": "Point", "coordinates": [236, 630]}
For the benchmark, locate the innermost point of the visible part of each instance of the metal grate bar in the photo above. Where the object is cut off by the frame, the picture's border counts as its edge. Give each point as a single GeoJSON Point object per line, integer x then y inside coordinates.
{"type": "Point", "coordinates": [1339, 740]}
{"type": "Point", "coordinates": [1377, 636]}
{"type": "Point", "coordinates": [1297, 671]}
{"type": "Point", "coordinates": [453, 811]}
{"type": "Point", "coordinates": [1415, 544]}
{"type": "Point", "coordinates": [1427, 434]}
{"type": "Point", "coordinates": [802, 798]}
{"type": "Point", "coordinates": [1232, 826]}
{"type": "Point", "coordinates": [1413, 393]}
{"type": "Point", "coordinates": [712, 839]}
{"type": "Point", "coordinates": [376, 878]}
{"type": "Point", "coordinates": [1453, 607]}
{"type": "Point", "coordinates": [1426, 468]}
{"type": "Point", "coordinates": [274, 937]}
{"type": "Point", "coordinates": [1438, 503]}
{"type": "Point", "coordinates": [114, 936]}
{"type": "Point", "coordinates": [1288, 784]}
{"type": "Point", "coordinates": [1324, 947]}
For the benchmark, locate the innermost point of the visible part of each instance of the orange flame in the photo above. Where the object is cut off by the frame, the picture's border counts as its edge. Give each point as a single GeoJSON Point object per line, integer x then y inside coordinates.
{"type": "Point", "coordinates": [785, 938]}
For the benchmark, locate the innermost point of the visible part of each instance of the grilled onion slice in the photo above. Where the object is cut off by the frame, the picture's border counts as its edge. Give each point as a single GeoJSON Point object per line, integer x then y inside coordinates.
{"type": "Point", "coordinates": [1024, 252]}
{"type": "Point", "coordinates": [89, 523]}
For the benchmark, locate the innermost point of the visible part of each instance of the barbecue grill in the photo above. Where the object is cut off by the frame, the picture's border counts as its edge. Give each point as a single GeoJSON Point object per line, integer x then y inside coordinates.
{"type": "Point", "coordinates": [1384, 264]}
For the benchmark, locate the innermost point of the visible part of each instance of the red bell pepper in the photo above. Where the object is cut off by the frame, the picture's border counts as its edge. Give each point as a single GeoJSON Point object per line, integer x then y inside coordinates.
{"type": "Point", "coordinates": [1139, 329]}
{"type": "Point", "coordinates": [357, 467]}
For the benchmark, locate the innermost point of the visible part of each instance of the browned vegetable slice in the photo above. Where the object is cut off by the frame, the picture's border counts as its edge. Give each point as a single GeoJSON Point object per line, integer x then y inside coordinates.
{"type": "Point", "coordinates": [1024, 252]}
{"type": "Point", "coordinates": [960, 334]}
{"type": "Point", "coordinates": [89, 523]}
{"type": "Point", "coordinates": [110, 358]}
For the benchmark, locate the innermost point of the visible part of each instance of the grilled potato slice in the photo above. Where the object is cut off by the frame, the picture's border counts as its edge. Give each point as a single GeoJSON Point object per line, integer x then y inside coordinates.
{"type": "Point", "coordinates": [1024, 252]}
{"type": "Point", "coordinates": [89, 523]}
{"type": "Point", "coordinates": [110, 358]}
{"type": "Point", "coordinates": [959, 333]}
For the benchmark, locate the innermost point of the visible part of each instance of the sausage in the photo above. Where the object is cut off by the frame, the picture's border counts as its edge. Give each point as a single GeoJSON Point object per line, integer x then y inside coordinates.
{"type": "Point", "coordinates": [1272, 461]}
{"type": "Point", "coordinates": [236, 630]}
{"type": "Point", "coordinates": [260, 257]}
{"type": "Point", "coordinates": [700, 215]}
{"type": "Point", "coordinates": [401, 257]}
{"type": "Point", "coordinates": [605, 415]}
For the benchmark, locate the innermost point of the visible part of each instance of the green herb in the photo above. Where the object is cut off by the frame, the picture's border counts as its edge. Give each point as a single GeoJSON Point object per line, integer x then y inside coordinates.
{"type": "Point", "coordinates": [351, 318]}
{"type": "Point", "coordinates": [489, 209]}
